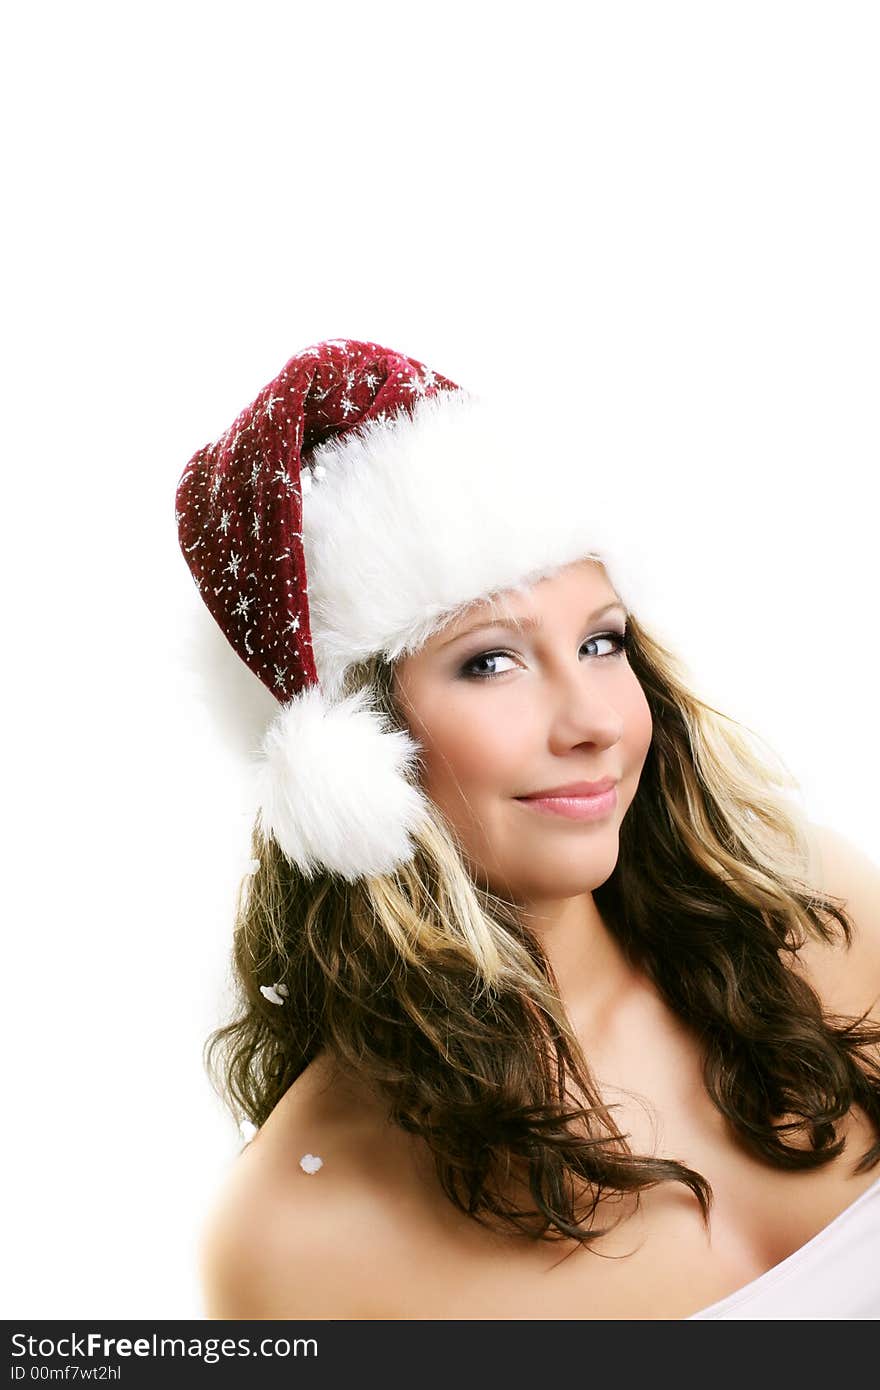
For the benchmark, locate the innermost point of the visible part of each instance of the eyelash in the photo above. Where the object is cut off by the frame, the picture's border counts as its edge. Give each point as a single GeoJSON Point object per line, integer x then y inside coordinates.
{"type": "Point", "coordinates": [619, 638]}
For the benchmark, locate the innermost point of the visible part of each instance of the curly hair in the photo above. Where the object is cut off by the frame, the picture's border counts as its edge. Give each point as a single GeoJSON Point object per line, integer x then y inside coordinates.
{"type": "Point", "coordinates": [429, 990]}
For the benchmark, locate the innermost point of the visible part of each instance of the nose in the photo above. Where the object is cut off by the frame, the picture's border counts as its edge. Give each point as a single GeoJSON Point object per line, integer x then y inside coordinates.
{"type": "Point", "coordinates": [582, 713]}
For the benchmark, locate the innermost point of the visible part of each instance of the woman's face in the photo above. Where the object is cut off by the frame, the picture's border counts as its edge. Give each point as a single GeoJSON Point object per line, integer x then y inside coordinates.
{"type": "Point", "coordinates": [501, 713]}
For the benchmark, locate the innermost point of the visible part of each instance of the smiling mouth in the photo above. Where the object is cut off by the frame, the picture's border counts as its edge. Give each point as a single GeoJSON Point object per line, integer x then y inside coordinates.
{"type": "Point", "coordinates": [579, 808]}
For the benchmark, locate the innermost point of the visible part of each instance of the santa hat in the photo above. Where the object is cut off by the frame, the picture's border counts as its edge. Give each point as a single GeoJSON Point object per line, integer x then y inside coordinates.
{"type": "Point", "coordinates": [360, 502]}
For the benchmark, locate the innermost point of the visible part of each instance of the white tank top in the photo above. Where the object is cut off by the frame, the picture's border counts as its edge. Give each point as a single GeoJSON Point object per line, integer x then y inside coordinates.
{"type": "Point", "coordinates": [835, 1275]}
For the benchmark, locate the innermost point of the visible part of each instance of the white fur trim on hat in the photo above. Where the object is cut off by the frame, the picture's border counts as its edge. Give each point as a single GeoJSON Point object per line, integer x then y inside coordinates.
{"type": "Point", "coordinates": [417, 516]}
{"type": "Point", "coordinates": [333, 788]}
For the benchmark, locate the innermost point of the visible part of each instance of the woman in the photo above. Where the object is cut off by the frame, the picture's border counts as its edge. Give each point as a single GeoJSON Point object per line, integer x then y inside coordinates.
{"type": "Point", "coordinates": [484, 1030]}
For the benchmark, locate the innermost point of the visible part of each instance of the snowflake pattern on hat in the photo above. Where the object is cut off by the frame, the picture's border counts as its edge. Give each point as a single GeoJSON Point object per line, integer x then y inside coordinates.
{"type": "Point", "coordinates": [239, 500]}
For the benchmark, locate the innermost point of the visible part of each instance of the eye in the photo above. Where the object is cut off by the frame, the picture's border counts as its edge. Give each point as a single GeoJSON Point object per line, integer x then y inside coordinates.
{"type": "Point", "coordinates": [617, 641]}
{"type": "Point", "coordinates": [467, 669]}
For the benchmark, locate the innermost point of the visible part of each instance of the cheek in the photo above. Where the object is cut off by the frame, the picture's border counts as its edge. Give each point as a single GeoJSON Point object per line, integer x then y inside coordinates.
{"type": "Point", "coordinates": [638, 728]}
{"type": "Point", "coordinates": [472, 751]}
{"type": "Point", "coordinates": [469, 746]}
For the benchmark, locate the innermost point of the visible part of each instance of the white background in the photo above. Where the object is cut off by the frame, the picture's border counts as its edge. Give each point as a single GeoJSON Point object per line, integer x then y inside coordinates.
{"type": "Point", "coordinates": [662, 220]}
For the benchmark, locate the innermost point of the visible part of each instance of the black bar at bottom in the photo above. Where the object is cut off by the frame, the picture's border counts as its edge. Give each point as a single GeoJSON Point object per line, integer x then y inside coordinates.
{"type": "Point", "coordinates": [462, 1354]}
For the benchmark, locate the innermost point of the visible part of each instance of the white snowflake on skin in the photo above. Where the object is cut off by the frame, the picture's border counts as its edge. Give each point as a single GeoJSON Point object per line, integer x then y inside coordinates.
{"type": "Point", "coordinates": [241, 608]}
{"type": "Point", "coordinates": [225, 518]}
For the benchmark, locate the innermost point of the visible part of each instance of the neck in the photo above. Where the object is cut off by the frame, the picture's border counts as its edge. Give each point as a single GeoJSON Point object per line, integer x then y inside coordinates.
{"type": "Point", "coordinates": [591, 970]}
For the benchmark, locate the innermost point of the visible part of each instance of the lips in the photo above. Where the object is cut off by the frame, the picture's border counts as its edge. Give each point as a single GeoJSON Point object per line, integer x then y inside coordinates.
{"type": "Point", "coordinates": [572, 789]}
{"type": "Point", "coordinates": [572, 803]}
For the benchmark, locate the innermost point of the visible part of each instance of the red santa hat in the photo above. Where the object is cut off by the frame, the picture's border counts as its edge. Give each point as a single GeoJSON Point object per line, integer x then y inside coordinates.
{"type": "Point", "coordinates": [355, 507]}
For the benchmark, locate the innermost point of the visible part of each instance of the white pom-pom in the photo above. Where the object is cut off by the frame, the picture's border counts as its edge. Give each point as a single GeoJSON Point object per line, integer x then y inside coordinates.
{"type": "Point", "coordinates": [332, 787]}
{"type": "Point", "coordinates": [310, 1163]}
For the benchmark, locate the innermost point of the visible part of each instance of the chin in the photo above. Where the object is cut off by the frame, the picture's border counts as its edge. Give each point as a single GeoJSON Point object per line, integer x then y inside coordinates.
{"type": "Point", "coordinates": [570, 878]}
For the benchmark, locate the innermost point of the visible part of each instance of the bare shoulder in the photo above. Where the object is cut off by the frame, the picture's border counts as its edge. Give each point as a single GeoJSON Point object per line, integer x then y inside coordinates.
{"type": "Point", "coordinates": [847, 978]}
{"type": "Point", "coordinates": [281, 1242]}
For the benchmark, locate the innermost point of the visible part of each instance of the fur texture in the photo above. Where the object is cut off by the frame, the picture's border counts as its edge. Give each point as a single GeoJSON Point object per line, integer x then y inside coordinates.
{"type": "Point", "coordinates": [417, 517]}
{"type": "Point", "coordinates": [333, 788]}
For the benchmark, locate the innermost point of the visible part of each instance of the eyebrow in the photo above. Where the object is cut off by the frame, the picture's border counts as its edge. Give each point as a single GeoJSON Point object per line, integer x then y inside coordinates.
{"type": "Point", "coordinates": [529, 622]}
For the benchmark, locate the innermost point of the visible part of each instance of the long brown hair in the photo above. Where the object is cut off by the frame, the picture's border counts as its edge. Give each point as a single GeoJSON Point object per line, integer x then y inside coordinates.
{"type": "Point", "coordinates": [428, 989]}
